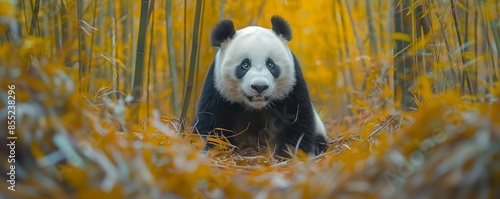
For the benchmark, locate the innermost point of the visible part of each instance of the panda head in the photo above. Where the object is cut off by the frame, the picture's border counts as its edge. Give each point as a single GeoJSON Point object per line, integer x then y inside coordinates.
{"type": "Point", "coordinates": [254, 65]}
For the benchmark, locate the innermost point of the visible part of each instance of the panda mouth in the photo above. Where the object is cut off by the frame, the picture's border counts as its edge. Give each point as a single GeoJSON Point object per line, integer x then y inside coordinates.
{"type": "Point", "coordinates": [258, 98]}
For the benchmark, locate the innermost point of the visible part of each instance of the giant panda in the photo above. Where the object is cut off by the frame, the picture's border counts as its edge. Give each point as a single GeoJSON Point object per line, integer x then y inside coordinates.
{"type": "Point", "coordinates": [255, 94]}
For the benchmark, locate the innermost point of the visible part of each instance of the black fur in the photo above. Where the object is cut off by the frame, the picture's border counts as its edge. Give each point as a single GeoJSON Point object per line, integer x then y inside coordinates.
{"type": "Point", "coordinates": [223, 31]}
{"type": "Point", "coordinates": [275, 70]}
{"type": "Point", "coordinates": [281, 27]}
{"type": "Point", "coordinates": [292, 116]}
{"type": "Point", "coordinates": [240, 71]}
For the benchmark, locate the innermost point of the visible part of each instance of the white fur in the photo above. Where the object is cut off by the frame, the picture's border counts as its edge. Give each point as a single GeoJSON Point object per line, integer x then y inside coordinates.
{"type": "Point", "coordinates": [320, 127]}
{"type": "Point", "coordinates": [257, 44]}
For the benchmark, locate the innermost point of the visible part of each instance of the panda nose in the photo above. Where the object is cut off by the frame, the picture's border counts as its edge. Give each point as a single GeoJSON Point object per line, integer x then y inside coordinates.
{"type": "Point", "coordinates": [259, 88]}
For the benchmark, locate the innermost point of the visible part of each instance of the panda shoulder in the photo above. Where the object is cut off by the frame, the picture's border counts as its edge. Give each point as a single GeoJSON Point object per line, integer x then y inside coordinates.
{"type": "Point", "coordinates": [209, 95]}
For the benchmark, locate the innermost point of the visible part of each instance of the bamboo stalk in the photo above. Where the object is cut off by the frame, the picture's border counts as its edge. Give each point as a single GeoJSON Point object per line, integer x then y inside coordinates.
{"type": "Point", "coordinates": [465, 80]}
{"type": "Point", "coordinates": [150, 58]}
{"type": "Point", "coordinates": [381, 28]}
{"type": "Point", "coordinates": [385, 43]}
{"type": "Point", "coordinates": [99, 40]}
{"type": "Point", "coordinates": [57, 30]}
{"type": "Point", "coordinates": [402, 63]}
{"type": "Point", "coordinates": [197, 91]}
{"type": "Point", "coordinates": [184, 54]}
{"type": "Point", "coordinates": [125, 18]}
{"type": "Point", "coordinates": [495, 29]}
{"type": "Point", "coordinates": [133, 45]}
{"type": "Point", "coordinates": [156, 75]}
{"type": "Point", "coordinates": [25, 12]}
{"type": "Point", "coordinates": [44, 21]}
{"type": "Point", "coordinates": [66, 35]}
{"type": "Point", "coordinates": [346, 45]}
{"type": "Point", "coordinates": [476, 41]}
{"type": "Point", "coordinates": [12, 32]}
{"type": "Point", "coordinates": [139, 64]}
{"type": "Point", "coordinates": [358, 41]}
{"type": "Point", "coordinates": [156, 78]}
{"type": "Point", "coordinates": [92, 37]}
{"type": "Point", "coordinates": [456, 74]}
{"type": "Point", "coordinates": [114, 50]}
{"type": "Point", "coordinates": [348, 79]}
{"type": "Point", "coordinates": [415, 35]}
{"type": "Point", "coordinates": [192, 62]}
{"type": "Point", "coordinates": [371, 28]}
{"type": "Point", "coordinates": [34, 19]}
{"type": "Point", "coordinates": [81, 46]}
{"type": "Point", "coordinates": [221, 12]}
{"type": "Point", "coordinates": [171, 60]}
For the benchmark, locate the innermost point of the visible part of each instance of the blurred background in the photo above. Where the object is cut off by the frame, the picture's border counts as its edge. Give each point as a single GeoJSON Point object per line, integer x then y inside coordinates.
{"type": "Point", "coordinates": [356, 56]}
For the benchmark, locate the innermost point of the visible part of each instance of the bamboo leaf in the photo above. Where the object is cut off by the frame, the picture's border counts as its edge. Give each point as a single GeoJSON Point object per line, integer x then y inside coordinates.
{"type": "Point", "coordinates": [115, 63]}
{"type": "Point", "coordinates": [401, 36]}
{"type": "Point", "coordinates": [463, 7]}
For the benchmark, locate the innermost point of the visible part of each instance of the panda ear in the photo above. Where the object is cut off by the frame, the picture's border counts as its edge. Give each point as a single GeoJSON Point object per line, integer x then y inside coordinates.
{"type": "Point", "coordinates": [222, 32]}
{"type": "Point", "coordinates": [281, 27]}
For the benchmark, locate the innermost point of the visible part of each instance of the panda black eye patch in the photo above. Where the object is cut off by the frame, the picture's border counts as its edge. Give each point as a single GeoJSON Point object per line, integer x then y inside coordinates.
{"type": "Point", "coordinates": [273, 68]}
{"type": "Point", "coordinates": [242, 69]}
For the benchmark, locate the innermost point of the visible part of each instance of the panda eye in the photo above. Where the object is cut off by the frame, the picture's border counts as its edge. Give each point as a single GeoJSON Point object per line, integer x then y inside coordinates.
{"type": "Point", "coordinates": [270, 65]}
{"type": "Point", "coordinates": [245, 66]}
